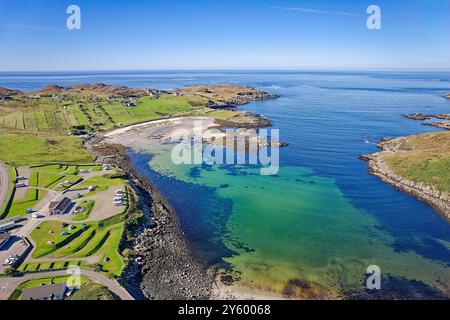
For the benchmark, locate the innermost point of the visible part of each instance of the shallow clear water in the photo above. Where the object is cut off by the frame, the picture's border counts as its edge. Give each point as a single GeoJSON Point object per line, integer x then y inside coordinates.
{"type": "Point", "coordinates": [313, 229]}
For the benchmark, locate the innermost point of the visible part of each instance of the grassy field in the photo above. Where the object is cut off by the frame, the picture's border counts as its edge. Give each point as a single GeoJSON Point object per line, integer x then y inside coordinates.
{"type": "Point", "coordinates": [48, 265]}
{"type": "Point", "coordinates": [12, 175]}
{"type": "Point", "coordinates": [46, 180]}
{"type": "Point", "coordinates": [20, 206]}
{"type": "Point", "coordinates": [84, 241]}
{"type": "Point", "coordinates": [19, 149]}
{"type": "Point", "coordinates": [101, 181]}
{"type": "Point", "coordinates": [92, 291]}
{"type": "Point", "coordinates": [94, 113]}
{"type": "Point", "coordinates": [87, 207]}
{"type": "Point", "coordinates": [71, 169]}
{"type": "Point", "coordinates": [147, 109]}
{"type": "Point", "coordinates": [426, 160]}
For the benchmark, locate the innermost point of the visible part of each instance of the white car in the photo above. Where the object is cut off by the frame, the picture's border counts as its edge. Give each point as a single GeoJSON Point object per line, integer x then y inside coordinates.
{"type": "Point", "coordinates": [9, 262]}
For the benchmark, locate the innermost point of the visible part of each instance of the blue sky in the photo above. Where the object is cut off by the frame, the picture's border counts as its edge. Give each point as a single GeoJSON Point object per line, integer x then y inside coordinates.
{"type": "Point", "coordinates": [253, 34]}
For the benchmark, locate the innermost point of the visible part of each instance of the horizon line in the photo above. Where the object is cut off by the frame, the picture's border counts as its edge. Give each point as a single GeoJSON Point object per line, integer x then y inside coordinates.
{"type": "Point", "coordinates": [443, 69]}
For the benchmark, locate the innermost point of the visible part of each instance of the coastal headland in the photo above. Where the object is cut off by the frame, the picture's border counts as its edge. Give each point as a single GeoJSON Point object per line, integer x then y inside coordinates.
{"type": "Point", "coordinates": [418, 165]}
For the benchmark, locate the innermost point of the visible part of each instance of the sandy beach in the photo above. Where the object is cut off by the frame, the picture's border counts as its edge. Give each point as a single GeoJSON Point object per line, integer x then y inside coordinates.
{"type": "Point", "coordinates": [161, 131]}
{"type": "Point", "coordinates": [220, 291]}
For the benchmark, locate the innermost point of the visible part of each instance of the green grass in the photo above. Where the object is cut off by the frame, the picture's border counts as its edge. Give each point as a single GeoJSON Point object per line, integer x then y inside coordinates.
{"type": "Point", "coordinates": [12, 176]}
{"type": "Point", "coordinates": [87, 207]}
{"type": "Point", "coordinates": [90, 168]}
{"type": "Point", "coordinates": [115, 263]}
{"type": "Point", "coordinates": [92, 291]}
{"type": "Point", "coordinates": [57, 116]}
{"type": "Point", "coordinates": [95, 191]}
{"type": "Point", "coordinates": [46, 180]}
{"type": "Point", "coordinates": [21, 149]}
{"type": "Point", "coordinates": [100, 181]}
{"type": "Point", "coordinates": [35, 131]}
{"type": "Point", "coordinates": [72, 179]}
{"type": "Point", "coordinates": [48, 265]}
{"type": "Point", "coordinates": [66, 168]}
{"type": "Point", "coordinates": [55, 168]}
{"type": "Point", "coordinates": [19, 207]}
{"type": "Point", "coordinates": [81, 242]}
{"type": "Point", "coordinates": [426, 160]}
{"type": "Point", "coordinates": [33, 179]}
{"type": "Point", "coordinates": [92, 110]}
{"type": "Point", "coordinates": [49, 239]}
{"type": "Point", "coordinates": [148, 108]}
{"type": "Point", "coordinates": [72, 170]}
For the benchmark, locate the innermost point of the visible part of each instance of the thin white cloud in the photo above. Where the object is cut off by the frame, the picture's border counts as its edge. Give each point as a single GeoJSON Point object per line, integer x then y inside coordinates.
{"type": "Point", "coordinates": [316, 11]}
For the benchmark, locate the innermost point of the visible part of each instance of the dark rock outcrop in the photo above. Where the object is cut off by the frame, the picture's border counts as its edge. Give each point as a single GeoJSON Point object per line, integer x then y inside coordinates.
{"type": "Point", "coordinates": [418, 116]}
{"type": "Point", "coordinates": [4, 92]}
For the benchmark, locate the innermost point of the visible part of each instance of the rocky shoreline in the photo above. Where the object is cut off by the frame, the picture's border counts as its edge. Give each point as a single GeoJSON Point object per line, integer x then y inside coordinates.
{"type": "Point", "coordinates": [439, 124]}
{"type": "Point", "coordinates": [424, 116]}
{"type": "Point", "coordinates": [438, 200]}
{"type": "Point", "coordinates": [163, 266]}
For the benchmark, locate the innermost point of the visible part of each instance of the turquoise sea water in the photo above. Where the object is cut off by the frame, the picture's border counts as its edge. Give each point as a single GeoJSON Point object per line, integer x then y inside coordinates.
{"type": "Point", "coordinates": [313, 229]}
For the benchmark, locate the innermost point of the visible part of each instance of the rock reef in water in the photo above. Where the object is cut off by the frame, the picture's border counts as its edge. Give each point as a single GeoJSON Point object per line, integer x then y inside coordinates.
{"type": "Point", "coordinates": [418, 116]}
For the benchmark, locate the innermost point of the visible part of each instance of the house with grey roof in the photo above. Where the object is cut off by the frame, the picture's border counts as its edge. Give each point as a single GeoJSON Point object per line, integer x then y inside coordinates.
{"type": "Point", "coordinates": [46, 292]}
{"type": "Point", "coordinates": [59, 207]}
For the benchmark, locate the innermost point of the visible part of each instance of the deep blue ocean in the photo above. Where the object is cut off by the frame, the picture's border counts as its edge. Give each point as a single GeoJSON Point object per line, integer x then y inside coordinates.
{"type": "Point", "coordinates": [329, 119]}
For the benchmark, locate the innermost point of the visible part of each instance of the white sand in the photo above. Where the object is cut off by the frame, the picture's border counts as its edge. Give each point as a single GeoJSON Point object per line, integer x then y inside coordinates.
{"type": "Point", "coordinates": [236, 292]}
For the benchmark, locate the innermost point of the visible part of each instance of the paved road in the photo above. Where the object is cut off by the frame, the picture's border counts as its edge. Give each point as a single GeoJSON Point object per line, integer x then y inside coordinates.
{"type": "Point", "coordinates": [4, 184]}
{"type": "Point", "coordinates": [8, 285]}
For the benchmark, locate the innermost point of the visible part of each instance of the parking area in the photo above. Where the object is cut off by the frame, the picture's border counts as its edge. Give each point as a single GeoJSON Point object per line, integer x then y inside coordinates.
{"type": "Point", "coordinates": [13, 252]}
{"type": "Point", "coordinates": [104, 207]}
{"type": "Point", "coordinates": [22, 185]}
